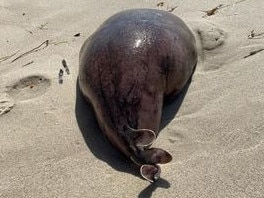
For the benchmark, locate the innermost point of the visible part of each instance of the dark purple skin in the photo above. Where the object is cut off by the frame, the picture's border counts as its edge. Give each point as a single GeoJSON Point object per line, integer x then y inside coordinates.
{"type": "Point", "coordinates": [135, 60]}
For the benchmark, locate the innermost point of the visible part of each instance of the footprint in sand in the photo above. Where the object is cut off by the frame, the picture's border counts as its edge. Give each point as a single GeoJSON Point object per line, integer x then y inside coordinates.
{"type": "Point", "coordinates": [211, 36]}
{"type": "Point", "coordinates": [5, 106]}
{"type": "Point", "coordinates": [28, 87]}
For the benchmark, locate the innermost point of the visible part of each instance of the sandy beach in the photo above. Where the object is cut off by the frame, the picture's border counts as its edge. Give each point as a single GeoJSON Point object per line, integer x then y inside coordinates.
{"type": "Point", "coordinates": [51, 145]}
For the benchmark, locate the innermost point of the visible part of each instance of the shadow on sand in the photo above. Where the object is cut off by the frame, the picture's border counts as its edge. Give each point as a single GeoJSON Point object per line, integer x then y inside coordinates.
{"type": "Point", "coordinates": [103, 150]}
{"type": "Point", "coordinates": [94, 138]}
{"type": "Point", "coordinates": [147, 192]}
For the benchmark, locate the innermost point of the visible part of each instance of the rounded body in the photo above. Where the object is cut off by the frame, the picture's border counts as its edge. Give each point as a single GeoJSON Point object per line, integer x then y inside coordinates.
{"type": "Point", "coordinates": [132, 62]}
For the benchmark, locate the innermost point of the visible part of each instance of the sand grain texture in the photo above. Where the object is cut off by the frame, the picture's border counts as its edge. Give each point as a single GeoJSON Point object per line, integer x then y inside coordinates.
{"type": "Point", "coordinates": [216, 137]}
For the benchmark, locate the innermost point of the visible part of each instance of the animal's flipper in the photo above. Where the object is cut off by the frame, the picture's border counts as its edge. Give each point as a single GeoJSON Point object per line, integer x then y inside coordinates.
{"type": "Point", "coordinates": [155, 156]}
{"type": "Point", "coordinates": [140, 137]}
{"type": "Point", "coordinates": [150, 172]}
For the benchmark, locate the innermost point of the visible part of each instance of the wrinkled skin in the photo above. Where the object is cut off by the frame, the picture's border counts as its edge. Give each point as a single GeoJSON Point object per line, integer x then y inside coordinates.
{"type": "Point", "coordinates": [135, 60]}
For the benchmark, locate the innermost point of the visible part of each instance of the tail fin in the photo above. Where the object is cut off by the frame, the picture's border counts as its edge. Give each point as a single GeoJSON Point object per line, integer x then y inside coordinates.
{"type": "Point", "coordinates": [150, 172]}
{"type": "Point", "coordinates": [140, 137]}
{"type": "Point", "coordinates": [155, 156]}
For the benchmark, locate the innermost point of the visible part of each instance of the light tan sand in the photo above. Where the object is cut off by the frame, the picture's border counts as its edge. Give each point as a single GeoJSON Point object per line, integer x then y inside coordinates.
{"type": "Point", "coordinates": [216, 137]}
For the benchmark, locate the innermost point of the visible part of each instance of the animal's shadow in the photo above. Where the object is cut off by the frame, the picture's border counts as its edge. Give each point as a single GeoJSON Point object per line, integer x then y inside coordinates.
{"type": "Point", "coordinates": [99, 145]}
{"type": "Point", "coordinates": [94, 138]}
{"type": "Point", "coordinates": [147, 192]}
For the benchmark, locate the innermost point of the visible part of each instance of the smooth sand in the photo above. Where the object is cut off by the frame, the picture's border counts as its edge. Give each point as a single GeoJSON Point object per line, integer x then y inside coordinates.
{"type": "Point", "coordinates": [50, 144]}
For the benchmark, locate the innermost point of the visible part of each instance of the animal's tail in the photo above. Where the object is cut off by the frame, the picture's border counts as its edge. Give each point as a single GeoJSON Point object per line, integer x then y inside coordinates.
{"type": "Point", "coordinates": [147, 158]}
